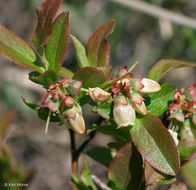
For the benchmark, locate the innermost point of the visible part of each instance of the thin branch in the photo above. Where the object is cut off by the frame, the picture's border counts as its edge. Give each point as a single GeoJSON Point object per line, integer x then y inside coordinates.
{"type": "Point", "coordinates": [74, 157]}
{"type": "Point", "coordinates": [158, 12]}
{"type": "Point", "coordinates": [100, 183]}
{"type": "Point", "coordinates": [85, 143]}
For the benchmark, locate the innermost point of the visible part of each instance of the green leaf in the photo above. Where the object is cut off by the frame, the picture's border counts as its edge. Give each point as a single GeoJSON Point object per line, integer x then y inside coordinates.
{"type": "Point", "coordinates": [46, 13]}
{"type": "Point", "coordinates": [91, 77]}
{"type": "Point", "coordinates": [17, 50]}
{"type": "Point", "coordinates": [64, 72]}
{"type": "Point", "coordinates": [86, 175]}
{"type": "Point", "coordinates": [95, 42]}
{"type": "Point", "coordinates": [115, 146]}
{"type": "Point", "coordinates": [104, 53]}
{"type": "Point", "coordinates": [125, 170]}
{"type": "Point", "coordinates": [101, 155]}
{"type": "Point", "coordinates": [156, 144]}
{"type": "Point", "coordinates": [80, 52]}
{"type": "Point", "coordinates": [57, 45]}
{"type": "Point", "coordinates": [161, 68]}
{"type": "Point", "coordinates": [31, 105]}
{"type": "Point", "coordinates": [188, 173]}
{"type": "Point", "coordinates": [157, 103]}
{"type": "Point", "coordinates": [79, 184]}
{"type": "Point", "coordinates": [104, 110]}
{"type": "Point", "coordinates": [122, 134]}
{"type": "Point", "coordinates": [45, 79]}
{"type": "Point", "coordinates": [187, 151]}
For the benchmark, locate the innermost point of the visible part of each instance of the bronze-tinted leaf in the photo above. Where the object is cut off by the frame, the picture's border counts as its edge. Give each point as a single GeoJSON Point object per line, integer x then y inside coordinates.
{"type": "Point", "coordinates": [95, 42]}
{"type": "Point", "coordinates": [46, 13]}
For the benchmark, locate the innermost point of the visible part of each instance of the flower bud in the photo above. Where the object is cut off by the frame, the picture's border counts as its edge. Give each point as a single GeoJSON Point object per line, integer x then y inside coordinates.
{"type": "Point", "coordinates": [150, 86]}
{"type": "Point", "coordinates": [178, 115]}
{"type": "Point", "coordinates": [50, 103]}
{"type": "Point", "coordinates": [122, 71]}
{"type": "Point", "coordinates": [75, 119]}
{"type": "Point", "coordinates": [97, 94]}
{"type": "Point", "coordinates": [74, 87]}
{"type": "Point", "coordinates": [137, 84]}
{"type": "Point", "coordinates": [174, 135]}
{"type": "Point", "coordinates": [138, 103]}
{"type": "Point", "coordinates": [123, 112]}
{"type": "Point", "coordinates": [69, 101]}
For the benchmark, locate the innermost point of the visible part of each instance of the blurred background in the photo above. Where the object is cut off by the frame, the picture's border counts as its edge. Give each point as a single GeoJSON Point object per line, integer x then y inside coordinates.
{"type": "Point", "coordinates": [138, 36]}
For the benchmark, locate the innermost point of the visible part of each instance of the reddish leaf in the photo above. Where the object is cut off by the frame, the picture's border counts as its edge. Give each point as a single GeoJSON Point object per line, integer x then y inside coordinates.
{"type": "Point", "coordinates": [17, 50]}
{"type": "Point", "coordinates": [57, 45]}
{"type": "Point", "coordinates": [125, 170]}
{"type": "Point", "coordinates": [91, 77]}
{"type": "Point", "coordinates": [151, 175]}
{"type": "Point", "coordinates": [104, 53]}
{"type": "Point", "coordinates": [5, 122]}
{"type": "Point", "coordinates": [107, 70]}
{"type": "Point", "coordinates": [95, 42]}
{"type": "Point", "coordinates": [46, 13]}
{"type": "Point", "coordinates": [156, 144]}
{"type": "Point", "coordinates": [161, 68]}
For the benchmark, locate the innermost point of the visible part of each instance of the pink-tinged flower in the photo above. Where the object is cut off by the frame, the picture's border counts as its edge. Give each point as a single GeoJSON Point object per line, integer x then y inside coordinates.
{"type": "Point", "coordinates": [122, 71]}
{"type": "Point", "coordinates": [69, 101]}
{"type": "Point", "coordinates": [98, 95]}
{"type": "Point", "coordinates": [178, 115]}
{"type": "Point", "coordinates": [123, 112]}
{"type": "Point", "coordinates": [179, 95]}
{"type": "Point", "coordinates": [192, 92]}
{"type": "Point", "coordinates": [174, 135]}
{"type": "Point", "coordinates": [74, 87]}
{"type": "Point", "coordinates": [75, 119]}
{"type": "Point", "coordinates": [50, 103]}
{"type": "Point", "coordinates": [150, 86]}
{"type": "Point", "coordinates": [138, 103]}
{"type": "Point", "coordinates": [137, 84]}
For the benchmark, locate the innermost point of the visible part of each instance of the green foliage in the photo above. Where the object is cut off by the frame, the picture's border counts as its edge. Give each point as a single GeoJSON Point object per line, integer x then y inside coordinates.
{"type": "Point", "coordinates": [45, 79]}
{"type": "Point", "coordinates": [57, 45]}
{"type": "Point", "coordinates": [157, 103]}
{"type": "Point", "coordinates": [91, 77]}
{"type": "Point", "coordinates": [15, 49]}
{"type": "Point", "coordinates": [125, 170]}
{"type": "Point", "coordinates": [46, 13]}
{"type": "Point", "coordinates": [101, 155]}
{"type": "Point", "coordinates": [161, 68]}
{"type": "Point", "coordinates": [155, 144]}
{"type": "Point", "coordinates": [80, 52]}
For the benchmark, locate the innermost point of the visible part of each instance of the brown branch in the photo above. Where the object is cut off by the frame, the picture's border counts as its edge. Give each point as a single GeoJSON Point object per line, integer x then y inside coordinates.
{"type": "Point", "coordinates": [74, 157]}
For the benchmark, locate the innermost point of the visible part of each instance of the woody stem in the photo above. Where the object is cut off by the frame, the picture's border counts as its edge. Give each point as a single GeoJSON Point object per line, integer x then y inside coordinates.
{"type": "Point", "coordinates": [74, 157]}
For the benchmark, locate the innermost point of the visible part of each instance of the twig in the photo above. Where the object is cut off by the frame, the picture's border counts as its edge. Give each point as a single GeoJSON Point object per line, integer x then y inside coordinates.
{"type": "Point", "coordinates": [158, 12]}
{"type": "Point", "coordinates": [100, 183]}
{"type": "Point", "coordinates": [74, 159]}
{"type": "Point", "coordinates": [85, 143]}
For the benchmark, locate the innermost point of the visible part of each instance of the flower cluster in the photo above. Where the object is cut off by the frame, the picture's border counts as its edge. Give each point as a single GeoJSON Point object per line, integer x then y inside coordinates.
{"type": "Point", "coordinates": [127, 96]}
{"type": "Point", "coordinates": [184, 106]}
{"type": "Point", "coordinates": [60, 98]}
